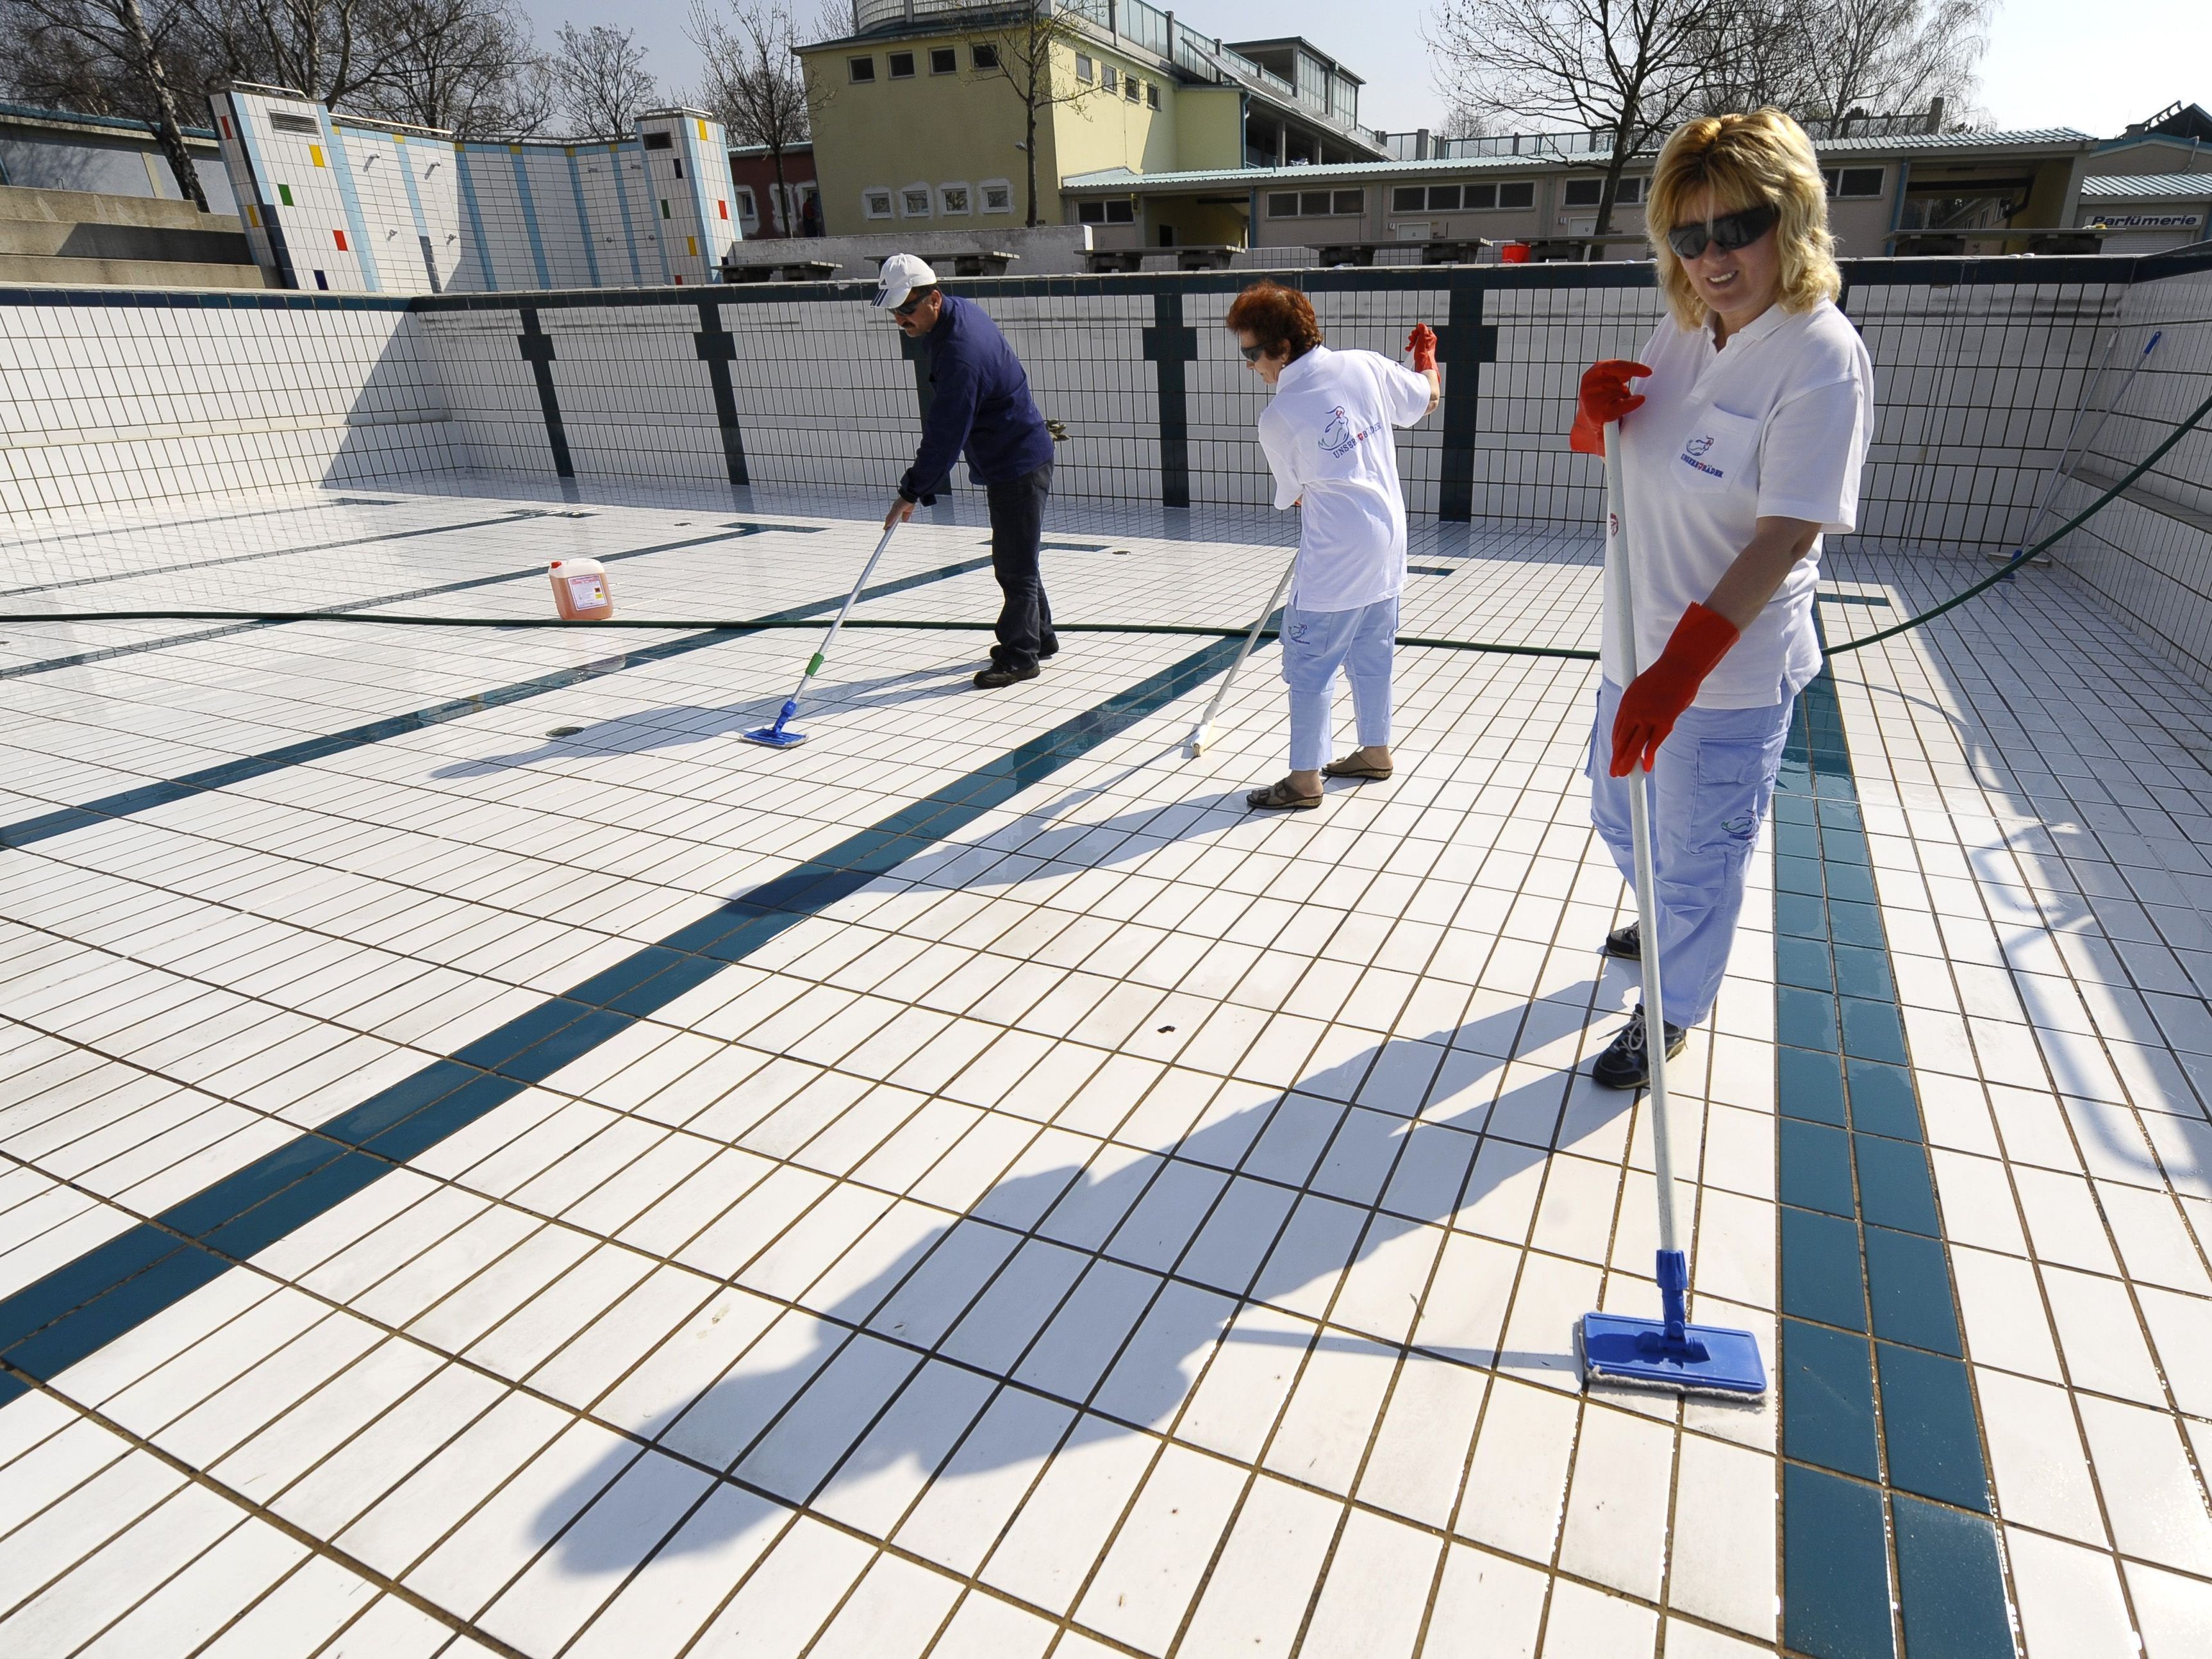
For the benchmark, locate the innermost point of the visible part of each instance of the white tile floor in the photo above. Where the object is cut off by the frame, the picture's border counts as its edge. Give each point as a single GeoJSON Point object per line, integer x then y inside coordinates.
{"type": "Point", "coordinates": [1129, 1226]}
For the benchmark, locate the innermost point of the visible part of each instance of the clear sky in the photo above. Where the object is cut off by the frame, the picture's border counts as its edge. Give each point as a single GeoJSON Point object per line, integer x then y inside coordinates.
{"type": "Point", "coordinates": [2052, 63]}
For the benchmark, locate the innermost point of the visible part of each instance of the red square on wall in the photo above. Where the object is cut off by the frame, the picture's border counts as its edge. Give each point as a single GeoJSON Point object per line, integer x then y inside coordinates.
{"type": "Point", "coordinates": [225, 119]}
{"type": "Point", "coordinates": [342, 242]}
{"type": "Point", "coordinates": [725, 207]}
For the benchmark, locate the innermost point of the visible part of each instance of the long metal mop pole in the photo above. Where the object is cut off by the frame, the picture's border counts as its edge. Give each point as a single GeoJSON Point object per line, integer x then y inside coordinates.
{"type": "Point", "coordinates": [775, 736]}
{"type": "Point", "coordinates": [1203, 731]}
{"type": "Point", "coordinates": [1620, 582]}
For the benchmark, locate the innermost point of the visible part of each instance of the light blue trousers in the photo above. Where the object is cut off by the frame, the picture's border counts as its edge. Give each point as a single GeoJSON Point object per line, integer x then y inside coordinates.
{"type": "Point", "coordinates": [1710, 789]}
{"type": "Point", "coordinates": [1315, 644]}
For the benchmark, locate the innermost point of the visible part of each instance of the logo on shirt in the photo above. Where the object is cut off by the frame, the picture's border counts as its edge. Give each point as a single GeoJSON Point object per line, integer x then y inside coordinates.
{"type": "Point", "coordinates": [1692, 452]}
{"type": "Point", "coordinates": [1338, 438]}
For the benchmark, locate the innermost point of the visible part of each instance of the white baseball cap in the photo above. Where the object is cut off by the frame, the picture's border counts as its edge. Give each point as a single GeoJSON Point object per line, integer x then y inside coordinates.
{"type": "Point", "coordinates": [902, 273]}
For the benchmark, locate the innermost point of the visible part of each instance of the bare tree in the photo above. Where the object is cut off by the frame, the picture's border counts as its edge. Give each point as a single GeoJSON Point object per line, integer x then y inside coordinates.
{"type": "Point", "coordinates": [756, 86]}
{"type": "Point", "coordinates": [602, 79]}
{"type": "Point", "coordinates": [1625, 68]}
{"type": "Point", "coordinates": [1846, 57]}
{"type": "Point", "coordinates": [119, 51]}
{"type": "Point", "coordinates": [329, 50]}
{"type": "Point", "coordinates": [468, 67]}
{"type": "Point", "coordinates": [1021, 42]}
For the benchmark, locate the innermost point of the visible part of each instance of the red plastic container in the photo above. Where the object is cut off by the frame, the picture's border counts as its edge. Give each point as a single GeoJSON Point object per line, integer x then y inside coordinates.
{"type": "Point", "coordinates": [1513, 253]}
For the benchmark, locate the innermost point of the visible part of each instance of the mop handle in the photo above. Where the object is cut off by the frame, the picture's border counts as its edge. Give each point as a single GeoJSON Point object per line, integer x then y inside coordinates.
{"type": "Point", "coordinates": [1620, 584]}
{"type": "Point", "coordinates": [1251, 638]}
{"type": "Point", "coordinates": [822, 653]}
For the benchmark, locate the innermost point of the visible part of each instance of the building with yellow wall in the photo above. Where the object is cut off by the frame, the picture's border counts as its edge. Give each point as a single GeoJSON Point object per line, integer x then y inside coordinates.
{"type": "Point", "coordinates": [914, 125]}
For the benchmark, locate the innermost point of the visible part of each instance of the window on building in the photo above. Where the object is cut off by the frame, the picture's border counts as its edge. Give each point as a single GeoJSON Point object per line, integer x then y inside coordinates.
{"type": "Point", "coordinates": [1108, 76]}
{"type": "Point", "coordinates": [1314, 203]}
{"type": "Point", "coordinates": [954, 198]}
{"type": "Point", "coordinates": [1476, 198]}
{"type": "Point", "coordinates": [1133, 88]}
{"type": "Point", "coordinates": [984, 57]}
{"type": "Point", "coordinates": [876, 204]}
{"type": "Point", "coordinates": [1107, 213]}
{"type": "Point", "coordinates": [998, 196]}
{"type": "Point", "coordinates": [1522, 195]}
{"type": "Point", "coordinates": [913, 200]}
{"type": "Point", "coordinates": [1854, 182]}
{"type": "Point", "coordinates": [901, 64]}
{"type": "Point", "coordinates": [861, 69]}
{"type": "Point", "coordinates": [1083, 69]}
{"type": "Point", "coordinates": [667, 140]}
{"type": "Point", "coordinates": [1408, 199]}
{"type": "Point", "coordinates": [943, 60]}
{"type": "Point", "coordinates": [680, 166]}
{"type": "Point", "coordinates": [1152, 93]}
{"type": "Point", "coordinates": [1584, 192]}
{"type": "Point", "coordinates": [1444, 198]}
{"type": "Point", "coordinates": [748, 209]}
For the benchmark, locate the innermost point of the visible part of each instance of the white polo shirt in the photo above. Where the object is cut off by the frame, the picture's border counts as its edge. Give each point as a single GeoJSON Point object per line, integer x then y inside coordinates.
{"type": "Point", "coordinates": [1774, 424]}
{"type": "Point", "coordinates": [1328, 437]}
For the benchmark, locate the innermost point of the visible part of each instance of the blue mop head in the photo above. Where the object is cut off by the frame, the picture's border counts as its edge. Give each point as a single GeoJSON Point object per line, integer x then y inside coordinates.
{"type": "Point", "coordinates": [774, 737]}
{"type": "Point", "coordinates": [1668, 1353]}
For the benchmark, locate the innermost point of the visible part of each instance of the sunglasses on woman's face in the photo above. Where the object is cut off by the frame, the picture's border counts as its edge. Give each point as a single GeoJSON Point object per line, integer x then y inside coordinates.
{"type": "Point", "coordinates": [1251, 353]}
{"type": "Point", "coordinates": [1727, 233]}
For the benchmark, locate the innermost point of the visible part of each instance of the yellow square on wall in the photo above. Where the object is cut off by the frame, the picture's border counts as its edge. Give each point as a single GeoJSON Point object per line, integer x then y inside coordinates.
{"type": "Point", "coordinates": [703, 132]}
{"type": "Point", "coordinates": [316, 151]}
{"type": "Point", "coordinates": [692, 242]}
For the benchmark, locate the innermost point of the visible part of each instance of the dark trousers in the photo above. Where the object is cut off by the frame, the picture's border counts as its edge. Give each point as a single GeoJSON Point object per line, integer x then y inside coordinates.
{"type": "Point", "coordinates": [1016, 528]}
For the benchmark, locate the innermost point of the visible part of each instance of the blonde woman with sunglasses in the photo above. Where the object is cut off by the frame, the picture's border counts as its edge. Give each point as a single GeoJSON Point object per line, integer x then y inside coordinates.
{"type": "Point", "coordinates": [1741, 448]}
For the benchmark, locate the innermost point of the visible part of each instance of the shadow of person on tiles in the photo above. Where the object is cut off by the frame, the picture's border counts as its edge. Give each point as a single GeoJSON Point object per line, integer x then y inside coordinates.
{"type": "Point", "coordinates": [667, 726]}
{"type": "Point", "coordinates": [1049, 1298]}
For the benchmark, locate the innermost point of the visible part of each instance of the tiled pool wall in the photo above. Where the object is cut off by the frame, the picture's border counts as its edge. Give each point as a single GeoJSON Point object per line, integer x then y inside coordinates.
{"type": "Point", "coordinates": [143, 400]}
{"type": "Point", "coordinates": [2149, 555]}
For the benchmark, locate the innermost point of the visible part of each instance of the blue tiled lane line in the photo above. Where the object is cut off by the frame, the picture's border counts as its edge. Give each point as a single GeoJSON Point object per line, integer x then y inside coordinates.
{"type": "Point", "coordinates": [79, 1308]}
{"type": "Point", "coordinates": [1882, 1439]}
{"type": "Point", "coordinates": [129, 802]}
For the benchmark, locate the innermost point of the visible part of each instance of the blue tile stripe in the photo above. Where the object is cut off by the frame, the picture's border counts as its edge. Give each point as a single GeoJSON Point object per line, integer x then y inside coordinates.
{"type": "Point", "coordinates": [342, 168]}
{"type": "Point", "coordinates": [73, 1311]}
{"type": "Point", "coordinates": [476, 217]}
{"type": "Point", "coordinates": [1881, 1438]}
{"type": "Point", "coordinates": [583, 218]}
{"type": "Point", "coordinates": [530, 217]}
{"type": "Point", "coordinates": [621, 201]}
{"type": "Point", "coordinates": [129, 803]}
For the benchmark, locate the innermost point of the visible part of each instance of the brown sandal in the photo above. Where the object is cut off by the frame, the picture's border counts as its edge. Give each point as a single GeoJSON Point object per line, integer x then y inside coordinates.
{"type": "Point", "coordinates": [1352, 767]}
{"type": "Point", "coordinates": [1279, 798]}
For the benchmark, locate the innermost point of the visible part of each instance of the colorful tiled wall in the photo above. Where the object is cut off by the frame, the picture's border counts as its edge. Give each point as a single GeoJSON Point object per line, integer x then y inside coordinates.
{"type": "Point", "coordinates": [334, 203]}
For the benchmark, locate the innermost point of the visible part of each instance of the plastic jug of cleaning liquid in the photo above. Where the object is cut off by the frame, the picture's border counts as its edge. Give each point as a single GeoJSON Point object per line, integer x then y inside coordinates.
{"type": "Point", "coordinates": [580, 592]}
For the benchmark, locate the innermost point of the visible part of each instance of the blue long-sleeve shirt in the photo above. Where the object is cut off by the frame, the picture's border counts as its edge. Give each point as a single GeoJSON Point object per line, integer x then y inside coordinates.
{"type": "Point", "coordinates": [980, 402]}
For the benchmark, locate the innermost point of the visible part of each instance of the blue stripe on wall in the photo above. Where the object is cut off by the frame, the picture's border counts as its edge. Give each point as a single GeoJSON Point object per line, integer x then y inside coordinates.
{"type": "Point", "coordinates": [584, 218]}
{"type": "Point", "coordinates": [630, 225]}
{"type": "Point", "coordinates": [530, 217]}
{"type": "Point", "coordinates": [1883, 1478]}
{"type": "Point", "coordinates": [342, 165]}
{"type": "Point", "coordinates": [75, 1310]}
{"type": "Point", "coordinates": [475, 218]}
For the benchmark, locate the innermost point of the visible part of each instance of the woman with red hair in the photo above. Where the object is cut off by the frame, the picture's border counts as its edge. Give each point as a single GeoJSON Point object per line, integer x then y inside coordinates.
{"type": "Point", "coordinates": [1327, 435]}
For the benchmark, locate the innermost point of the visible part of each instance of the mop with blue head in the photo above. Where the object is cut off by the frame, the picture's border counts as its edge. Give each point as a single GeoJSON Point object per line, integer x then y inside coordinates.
{"type": "Point", "coordinates": [1666, 1353]}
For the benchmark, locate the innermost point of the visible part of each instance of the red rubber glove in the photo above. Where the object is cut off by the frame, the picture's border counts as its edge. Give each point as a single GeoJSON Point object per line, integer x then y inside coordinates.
{"type": "Point", "coordinates": [1658, 696]}
{"type": "Point", "coordinates": [1605, 397]}
{"type": "Point", "coordinates": [1422, 342]}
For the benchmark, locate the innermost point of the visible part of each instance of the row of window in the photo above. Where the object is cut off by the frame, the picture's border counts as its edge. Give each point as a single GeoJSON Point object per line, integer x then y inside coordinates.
{"type": "Point", "coordinates": [1107, 78]}
{"type": "Point", "coordinates": [926, 201]}
{"type": "Point", "coordinates": [1463, 198]}
{"type": "Point", "coordinates": [943, 60]}
{"type": "Point", "coordinates": [1120, 211]}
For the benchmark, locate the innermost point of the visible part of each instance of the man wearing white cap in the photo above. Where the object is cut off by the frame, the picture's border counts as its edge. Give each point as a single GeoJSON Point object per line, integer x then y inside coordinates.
{"type": "Point", "coordinates": [981, 403]}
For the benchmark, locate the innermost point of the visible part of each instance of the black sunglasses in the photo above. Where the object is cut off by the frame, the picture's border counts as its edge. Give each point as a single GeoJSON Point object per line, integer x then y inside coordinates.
{"type": "Point", "coordinates": [1727, 233]}
{"type": "Point", "coordinates": [1251, 353]}
{"type": "Point", "coordinates": [909, 307]}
